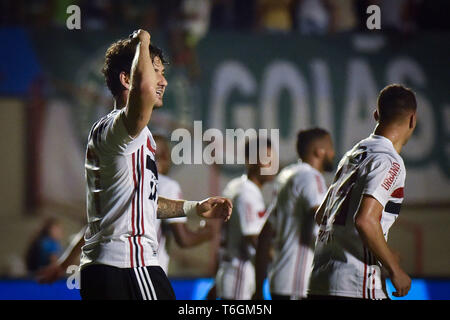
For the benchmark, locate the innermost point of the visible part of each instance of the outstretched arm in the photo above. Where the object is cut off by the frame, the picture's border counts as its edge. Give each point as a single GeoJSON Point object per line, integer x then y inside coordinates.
{"type": "Point", "coordinates": [211, 208]}
{"type": "Point", "coordinates": [367, 222]}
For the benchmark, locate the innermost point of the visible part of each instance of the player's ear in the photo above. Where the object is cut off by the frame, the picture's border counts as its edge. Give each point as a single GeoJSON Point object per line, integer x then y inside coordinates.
{"type": "Point", "coordinates": [125, 79]}
{"type": "Point", "coordinates": [412, 120]}
{"type": "Point", "coordinates": [376, 115]}
{"type": "Point", "coordinates": [319, 152]}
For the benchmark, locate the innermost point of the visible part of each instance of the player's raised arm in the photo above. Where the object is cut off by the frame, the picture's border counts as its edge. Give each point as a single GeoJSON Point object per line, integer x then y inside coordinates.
{"type": "Point", "coordinates": [211, 208]}
{"type": "Point", "coordinates": [367, 222]}
{"type": "Point", "coordinates": [142, 83]}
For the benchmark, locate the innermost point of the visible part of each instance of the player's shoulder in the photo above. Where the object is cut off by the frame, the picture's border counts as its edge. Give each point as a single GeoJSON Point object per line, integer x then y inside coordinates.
{"type": "Point", "coordinates": [304, 174]}
{"type": "Point", "coordinates": [98, 125]}
{"type": "Point", "coordinates": [232, 187]}
{"type": "Point", "coordinates": [386, 159]}
{"type": "Point", "coordinates": [286, 173]}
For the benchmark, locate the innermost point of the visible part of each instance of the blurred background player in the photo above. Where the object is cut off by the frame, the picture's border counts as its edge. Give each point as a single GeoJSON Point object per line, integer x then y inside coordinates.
{"type": "Point", "coordinates": [170, 188]}
{"type": "Point", "coordinates": [290, 225]}
{"type": "Point", "coordinates": [235, 278]}
{"type": "Point", "coordinates": [362, 204]}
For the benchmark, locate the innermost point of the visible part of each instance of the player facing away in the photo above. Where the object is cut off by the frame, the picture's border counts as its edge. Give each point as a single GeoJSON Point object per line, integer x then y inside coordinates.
{"type": "Point", "coordinates": [119, 259]}
{"type": "Point", "coordinates": [178, 227]}
{"type": "Point", "coordinates": [290, 227]}
{"type": "Point", "coordinates": [361, 205]}
{"type": "Point", "coordinates": [235, 278]}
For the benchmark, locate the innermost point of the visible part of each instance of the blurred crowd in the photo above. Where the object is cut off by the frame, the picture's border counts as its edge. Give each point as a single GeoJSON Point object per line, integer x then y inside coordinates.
{"type": "Point", "coordinates": [200, 16]}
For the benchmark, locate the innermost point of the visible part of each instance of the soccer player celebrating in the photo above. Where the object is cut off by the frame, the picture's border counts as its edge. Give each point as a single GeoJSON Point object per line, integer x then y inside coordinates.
{"type": "Point", "coordinates": [361, 205]}
{"type": "Point", "coordinates": [119, 259]}
{"type": "Point", "coordinates": [235, 278]}
{"type": "Point", "coordinates": [301, 190]}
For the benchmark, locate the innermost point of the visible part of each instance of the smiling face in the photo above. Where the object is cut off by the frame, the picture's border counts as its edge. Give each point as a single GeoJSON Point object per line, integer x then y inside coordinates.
{"type": "Point", "coordinates": [161, 82]}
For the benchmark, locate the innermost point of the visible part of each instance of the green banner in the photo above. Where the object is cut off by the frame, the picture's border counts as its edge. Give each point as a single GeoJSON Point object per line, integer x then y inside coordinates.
{"type": "Point", "coordinates": [288, 82]}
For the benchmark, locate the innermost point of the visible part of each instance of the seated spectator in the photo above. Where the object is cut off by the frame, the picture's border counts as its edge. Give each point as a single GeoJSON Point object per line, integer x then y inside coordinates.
{"type": "Point", "coordinates": [45, 246]}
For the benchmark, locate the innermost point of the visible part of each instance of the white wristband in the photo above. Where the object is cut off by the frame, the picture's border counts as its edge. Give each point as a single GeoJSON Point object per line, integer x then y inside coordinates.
{"type": "Point", "coordinates": [190, 208]}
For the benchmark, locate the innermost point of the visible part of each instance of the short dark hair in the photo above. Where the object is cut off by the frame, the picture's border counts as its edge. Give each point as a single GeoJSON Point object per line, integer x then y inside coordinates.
{"type": "Point", "coordinates": [258, 146]}
{"type": "Point", "coordinates": [394, 101]}
{"type": "Point", "coordinates": [306, 137]}
{"type": "Point", "coordinates": [119, 58]}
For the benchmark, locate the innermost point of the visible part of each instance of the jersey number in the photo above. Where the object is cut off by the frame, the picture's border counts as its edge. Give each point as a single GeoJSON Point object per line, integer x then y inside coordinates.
{"type": "Point", "coordinates": [151, 165]}
{"type": "Point", "coordinates": [347, 188]}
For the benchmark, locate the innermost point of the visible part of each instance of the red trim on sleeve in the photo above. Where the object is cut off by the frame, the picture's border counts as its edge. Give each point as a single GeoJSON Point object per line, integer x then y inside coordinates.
{"type": "Point", "coordinates": [398, 193]}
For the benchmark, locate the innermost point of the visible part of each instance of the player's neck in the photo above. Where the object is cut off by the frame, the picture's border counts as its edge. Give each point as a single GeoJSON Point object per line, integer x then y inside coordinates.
{"type": "Point", "coordinates": [120, 101]}
{"type": "Point", "coordinates": [255, 179]}
{"type": "Point", "coordinates": [315, 163]}
{"type": "Point", "coordinates": [394, 134]}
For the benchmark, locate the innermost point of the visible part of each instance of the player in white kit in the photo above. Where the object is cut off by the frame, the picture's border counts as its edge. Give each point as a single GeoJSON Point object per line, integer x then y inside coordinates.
{"type": "Point", "coordinates": [235, 278]}
{"type": "Point", "coordinates": [290, 228]}
{"type": "Point", "coordinates": [361, 205]}
{"type": "Point", "coordinates": [170, 188]}
{"type": "Point", "coordinates": [119, 259]}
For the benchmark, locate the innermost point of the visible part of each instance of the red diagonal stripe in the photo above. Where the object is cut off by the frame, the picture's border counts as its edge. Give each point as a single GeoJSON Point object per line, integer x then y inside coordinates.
{"type": "Point", "coordinates": [149, 146]}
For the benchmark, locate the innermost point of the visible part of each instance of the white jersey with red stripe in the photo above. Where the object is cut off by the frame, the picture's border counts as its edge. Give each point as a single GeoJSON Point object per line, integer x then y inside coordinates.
{"type": "Point", "coordinates": [122, 197]}
{"type": "Point", "coordinates": [168, 188]}
{"type": "Point", "coordinates": [235, 278]}
{"type": "Point", "coordinates": [343, 265]}
{"type": "Point", "coordinates": [301, 188]}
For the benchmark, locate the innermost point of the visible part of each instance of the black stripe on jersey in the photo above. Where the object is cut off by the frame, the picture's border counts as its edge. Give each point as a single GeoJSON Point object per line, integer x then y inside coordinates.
{"type": "Point", "coordinates": [138, 185]}
{"type": "Point", "coordinates": [99, 131]}
{"type": "Point", "coordinates": [393, 207]}
{"type": "Point", "coordinates": [137, 206]}
{"type": "Point", "coordinates": [136, 251]}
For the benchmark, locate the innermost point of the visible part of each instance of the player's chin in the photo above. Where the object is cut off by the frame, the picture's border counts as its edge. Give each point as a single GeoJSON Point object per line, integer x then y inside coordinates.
{"type": "Point", "coordinates": [159, 103]}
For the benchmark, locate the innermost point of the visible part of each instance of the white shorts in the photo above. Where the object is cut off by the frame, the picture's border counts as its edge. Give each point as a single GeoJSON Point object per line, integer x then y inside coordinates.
{"type": "Point", "coordinates": [235, 280]}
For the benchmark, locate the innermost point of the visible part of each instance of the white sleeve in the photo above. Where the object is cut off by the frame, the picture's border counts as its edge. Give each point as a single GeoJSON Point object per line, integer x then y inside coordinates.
{"type": "Point", "coordinates": [110, 134]}
{"type": "Point", "coordinates": [310, 188]}
{"type": "Point", "coordinates": [382, 176]}
{"type": "Point", "coordinates": [251, 213]}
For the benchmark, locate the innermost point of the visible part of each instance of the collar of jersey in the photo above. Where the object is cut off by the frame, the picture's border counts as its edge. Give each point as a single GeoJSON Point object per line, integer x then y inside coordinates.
{"type": "Point", "coordinates": [385, 140]}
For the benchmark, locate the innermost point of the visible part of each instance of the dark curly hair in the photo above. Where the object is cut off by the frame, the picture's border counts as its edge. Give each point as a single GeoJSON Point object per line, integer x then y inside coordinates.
{"type": "Point", "coordinates": [119, 57]}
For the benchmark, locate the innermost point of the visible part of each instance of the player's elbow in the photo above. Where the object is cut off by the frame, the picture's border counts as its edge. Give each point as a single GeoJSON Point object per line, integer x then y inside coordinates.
{"type": "Point", "coordinates": [182, 238]}
{"type": "Point", "coordinates": [362, 224]}
{"type": "Point", "coordinates": [183, 243]}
